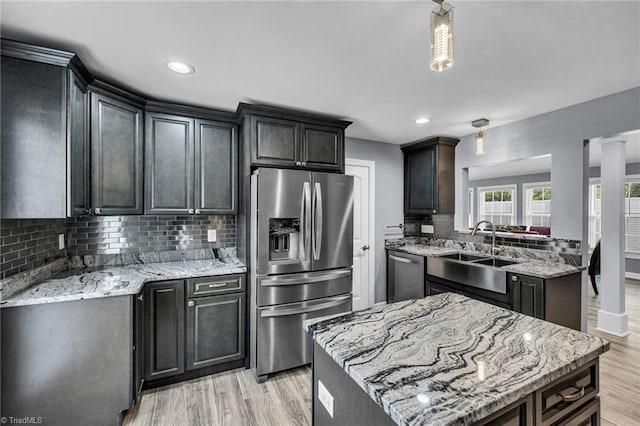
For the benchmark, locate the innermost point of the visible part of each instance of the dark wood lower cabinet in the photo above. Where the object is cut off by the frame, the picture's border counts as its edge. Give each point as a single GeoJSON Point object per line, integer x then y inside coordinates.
{"type": "Point", "coordinates": [193, 327]}
{"type": "Point", "coordinates": [164, 329]}
{"type": "Point", "coordinates": [215, 330]}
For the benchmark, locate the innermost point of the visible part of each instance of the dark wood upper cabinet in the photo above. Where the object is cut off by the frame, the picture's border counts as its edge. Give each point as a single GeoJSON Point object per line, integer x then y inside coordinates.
{"type": "Point", "coordinates": [278, 137]}
{"type": "Point", "coordinates": [322, 147]}
{"type": "Point", "coordinates": [216, 167]}
{"type": "Point", "coordinates": [276, 141]}
{"type": "Point", "coordinates": [78, 154]}
{"type": "Point", "coordinates": [116, 156]}
{"type": "Point", "coordinates": [191, 161]}
{"type": "Point", "coordinates": [44, 127]}
{"type": "Point", "coordinates": [169, 164]}
{"type": "Point", "coordinates": [429, 176]}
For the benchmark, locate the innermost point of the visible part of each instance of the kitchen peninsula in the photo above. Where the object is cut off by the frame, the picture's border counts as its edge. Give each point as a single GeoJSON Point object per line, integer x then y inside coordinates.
{"type": "Point", "coordinates": [449, 359]}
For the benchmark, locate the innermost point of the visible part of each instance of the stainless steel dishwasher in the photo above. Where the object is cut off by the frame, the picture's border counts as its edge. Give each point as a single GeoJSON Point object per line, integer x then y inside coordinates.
{"type": "Point", "coordinates": [405, 276]}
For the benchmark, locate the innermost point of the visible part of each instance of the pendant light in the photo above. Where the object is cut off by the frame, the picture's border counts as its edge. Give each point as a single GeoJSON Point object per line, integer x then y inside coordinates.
{"type": "Point", "coordinates": [441, 57]}
{"type": "Point", "coordinates": [481, 141]}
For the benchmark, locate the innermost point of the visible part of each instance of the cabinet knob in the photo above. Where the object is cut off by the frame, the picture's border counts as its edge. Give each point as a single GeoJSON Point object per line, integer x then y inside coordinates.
{"type": "Point", "coordinates": [190, 211]}
{"type": "Point", "coordinates": [141, 297]}
{"type": "Point", "coordinates": [514, 278]}
{"type": "Point", "coordinates": [88, 211]}
{"type": "Point", "coordinates": [298, 164]}
{"type": "Point", "coordinates": [365, 247]}
{"type": "Point", "coordinates": [97, 210]}
{"type": "Point", "coordinates": [191, 303]}
{"type": "Point", "coordinates": [304, 164]}
{"type": "Point", "coordinates": [198, 211]}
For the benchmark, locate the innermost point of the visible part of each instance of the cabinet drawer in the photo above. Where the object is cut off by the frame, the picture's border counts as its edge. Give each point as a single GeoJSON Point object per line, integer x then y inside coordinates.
{"type": "Point", "coordinates": [565, 395]}
{"type": "Point", "coordinates": [214, 285]}
{"type": "Point", "coordinates": [589, 415]}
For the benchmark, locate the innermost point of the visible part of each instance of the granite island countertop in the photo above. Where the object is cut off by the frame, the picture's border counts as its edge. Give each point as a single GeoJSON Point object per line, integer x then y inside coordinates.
{"type": "Point", "coordinates": [535, 267]}
{"type": "Point", "coordinates": [96, 282]}
{"type": "Point", "coordinates": [448, 359]}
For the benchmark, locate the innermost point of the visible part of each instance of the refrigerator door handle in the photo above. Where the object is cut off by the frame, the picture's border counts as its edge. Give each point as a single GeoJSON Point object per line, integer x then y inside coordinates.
{"type": "Point", "coordinates": [303, 308]}
{"type": "Point", "coordinates": [297, 279]}
{"type": "Point", "coordinates": [317, 214]}
{"type": "Point", "coordinates": [304, 211]}
{"type": "Point", "coordinates": [307, 219]}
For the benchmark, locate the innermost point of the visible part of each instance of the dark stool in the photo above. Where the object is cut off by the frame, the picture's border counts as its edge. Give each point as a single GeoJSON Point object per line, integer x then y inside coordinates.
{"type": "Point", "coordinates": [594, 266]}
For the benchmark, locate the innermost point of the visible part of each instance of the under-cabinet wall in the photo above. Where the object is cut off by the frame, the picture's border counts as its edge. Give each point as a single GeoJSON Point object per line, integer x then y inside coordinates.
{"type": "Point", "coordinates": [29, 243]}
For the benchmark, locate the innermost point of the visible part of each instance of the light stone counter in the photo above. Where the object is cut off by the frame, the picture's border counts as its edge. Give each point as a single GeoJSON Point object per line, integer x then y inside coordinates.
{"type": "Point", "coordinates": [450, 360]}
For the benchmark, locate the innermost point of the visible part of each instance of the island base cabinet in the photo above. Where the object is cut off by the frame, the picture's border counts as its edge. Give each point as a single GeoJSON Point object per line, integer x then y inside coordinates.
{"type": "Point", "coordinates": [215, 330]}
{"type": "Point", "coordinates": [351, 405]}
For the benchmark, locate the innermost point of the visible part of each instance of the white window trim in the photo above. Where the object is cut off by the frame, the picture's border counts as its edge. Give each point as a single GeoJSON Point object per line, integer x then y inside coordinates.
{"type": "Point", "coordinates": [472, 207]}
{"type": "Point", "coordinates": [525, 200]}
{"type": "Point", "coordinates": [514, 198]}
{"type": "Point", "coordinates": [627, 179]}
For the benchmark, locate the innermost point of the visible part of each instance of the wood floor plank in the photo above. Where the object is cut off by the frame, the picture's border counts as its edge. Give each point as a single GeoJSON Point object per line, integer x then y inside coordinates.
{"type": "Point", "coordinates": [233, 398]}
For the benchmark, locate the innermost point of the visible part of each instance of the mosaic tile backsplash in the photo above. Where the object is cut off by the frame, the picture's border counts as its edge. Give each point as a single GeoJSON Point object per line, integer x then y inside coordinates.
{"type": "Point", "coordinates": [131, 234]}
{"type": "Point", "coordinates": [27, 244]}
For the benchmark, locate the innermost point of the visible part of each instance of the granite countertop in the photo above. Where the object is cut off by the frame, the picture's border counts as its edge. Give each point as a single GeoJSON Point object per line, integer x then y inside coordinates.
{"type": "Point", "coordinates": [91, 283]}
{"type": "Point", "coordinates": [540, 268]}
{"type": "Point", "coordinates": [448, 359]}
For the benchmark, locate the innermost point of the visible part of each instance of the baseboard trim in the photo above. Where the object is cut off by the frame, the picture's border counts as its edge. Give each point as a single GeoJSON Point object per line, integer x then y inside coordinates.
{"type": "Point", "coordinates": [612, 323]}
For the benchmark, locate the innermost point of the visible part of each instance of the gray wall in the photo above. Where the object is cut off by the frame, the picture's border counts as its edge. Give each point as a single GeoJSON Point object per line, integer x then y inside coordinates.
{"type": "Point", "coordinates": [561, 133]}
{"type": "Point", "coordinates": [389, 208]}
{"type": "Point", "coordinates": [509, 180]}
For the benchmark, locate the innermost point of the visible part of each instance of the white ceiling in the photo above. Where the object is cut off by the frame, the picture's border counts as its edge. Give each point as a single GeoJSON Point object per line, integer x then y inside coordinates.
{"type": "Point", "coordinates": [363, 61]}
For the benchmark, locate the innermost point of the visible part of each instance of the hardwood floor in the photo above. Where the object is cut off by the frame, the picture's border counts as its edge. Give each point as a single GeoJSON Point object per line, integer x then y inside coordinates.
{"type": "Point", "coordinates": [233, 398]}
{"type": "Point", "coordinates": [620, 366]}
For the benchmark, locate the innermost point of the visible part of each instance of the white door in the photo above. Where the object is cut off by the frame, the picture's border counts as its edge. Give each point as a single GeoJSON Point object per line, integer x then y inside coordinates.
{"type": "Point", "coordinates": [363, 172]}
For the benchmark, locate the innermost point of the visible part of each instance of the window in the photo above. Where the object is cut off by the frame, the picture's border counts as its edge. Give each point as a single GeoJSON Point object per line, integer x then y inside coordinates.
{"type": "Point", "coordinates": [497, 205]}
{"type": "Point", "coordinates": [631, 214]}
{"type": "Point", "coordinates": [537, 204]}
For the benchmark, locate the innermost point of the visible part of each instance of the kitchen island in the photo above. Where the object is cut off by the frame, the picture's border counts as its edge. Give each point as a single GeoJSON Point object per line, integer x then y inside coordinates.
{"type": "Point", "coordinates": [448, 359]}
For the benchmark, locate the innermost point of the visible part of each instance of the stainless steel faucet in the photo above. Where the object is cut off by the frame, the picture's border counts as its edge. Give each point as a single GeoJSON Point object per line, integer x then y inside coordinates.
{"type": "Point", "coordinates": [494, 249]}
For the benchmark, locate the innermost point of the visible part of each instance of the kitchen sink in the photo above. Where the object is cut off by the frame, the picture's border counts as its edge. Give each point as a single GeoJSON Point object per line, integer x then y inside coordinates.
{"type": "Point", "coordinates": [464, 257]}
{"type": "Point", "coordinates": [472, 270]}
{"type": "Point", "coordinates": [495, 262]}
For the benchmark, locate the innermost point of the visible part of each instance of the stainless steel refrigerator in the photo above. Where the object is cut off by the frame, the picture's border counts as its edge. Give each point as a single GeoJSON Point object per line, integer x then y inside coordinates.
{"type": "Point", "coordinates": [301, 261]}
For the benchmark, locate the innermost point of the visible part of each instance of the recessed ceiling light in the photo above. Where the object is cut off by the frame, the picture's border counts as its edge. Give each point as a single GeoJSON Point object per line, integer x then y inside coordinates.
{"type": "Point", "coordinates": [180, 67]}
{"type": "Point", "coordinates": [423, 120]}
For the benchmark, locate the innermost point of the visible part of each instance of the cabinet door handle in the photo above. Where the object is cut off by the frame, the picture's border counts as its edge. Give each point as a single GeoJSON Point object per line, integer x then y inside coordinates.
{"type": "Point", "coordinates": [573, 396]}
{"type": "Point", "coordinates": [304, 164]}
{"type": "Point", "coordinates": [97, 210]}
{"type": "Point", "coordinates": [198, 211]}
{"type": "Point", "coordinates": [218, 285]}
{"type": "Point", "coordinates": [88, 211]}
{"type": "Point", "coordinates": [191, 303]}
{"type": "Point", "coordinates": [298, 164]}
{"type": "Point", "coordinates": [190, 211]}
{"type": "Point", "coordinates": [141, 297]}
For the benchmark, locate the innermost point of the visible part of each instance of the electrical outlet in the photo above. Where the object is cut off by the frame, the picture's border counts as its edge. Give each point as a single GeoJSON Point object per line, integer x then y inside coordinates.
{"type": "Point", "coordinates": [325, 398]}
{"type": "Point", "coordinates": [60, 241]}
{"type": "Point", "coordinates": [426, 229]}
{"type": "Point", "coordinates": [211, 235]}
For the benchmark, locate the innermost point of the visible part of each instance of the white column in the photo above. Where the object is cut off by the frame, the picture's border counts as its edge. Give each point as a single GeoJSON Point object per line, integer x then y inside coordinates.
{"type": "Point", "coordinates": [612, 317]}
